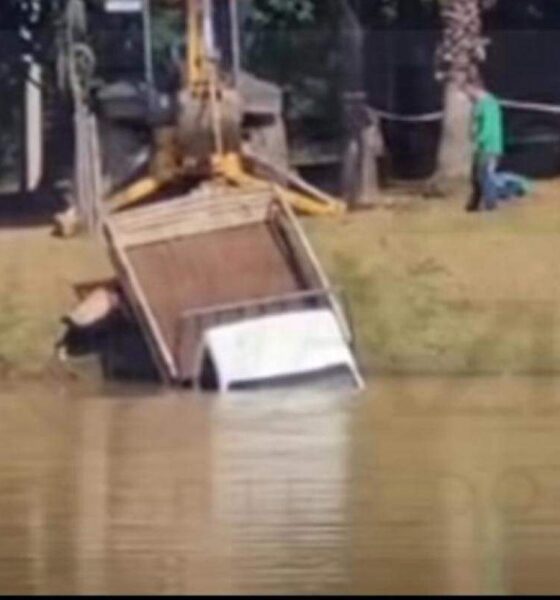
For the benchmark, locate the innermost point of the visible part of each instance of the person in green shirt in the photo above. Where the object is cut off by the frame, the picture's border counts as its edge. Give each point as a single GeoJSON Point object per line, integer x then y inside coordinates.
{"type": "Point", "coordinates": [488, 147]}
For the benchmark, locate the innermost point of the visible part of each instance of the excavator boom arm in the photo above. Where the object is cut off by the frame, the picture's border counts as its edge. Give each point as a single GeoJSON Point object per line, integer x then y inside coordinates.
{"type": "Point", "coordinates": [199, 43]}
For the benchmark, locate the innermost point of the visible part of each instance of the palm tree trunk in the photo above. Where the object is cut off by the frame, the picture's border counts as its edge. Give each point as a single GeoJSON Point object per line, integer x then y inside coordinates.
{"type": "Point", "coordinates": [454, 156]}
{"type": "Point", "coordinates": [459, 57]}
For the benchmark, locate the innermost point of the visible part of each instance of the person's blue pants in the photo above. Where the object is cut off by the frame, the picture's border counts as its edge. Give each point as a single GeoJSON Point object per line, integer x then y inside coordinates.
{"type": "Point", "coordinates": [487, 181]}
{"type": "Point", "coordinates": [484, 189]}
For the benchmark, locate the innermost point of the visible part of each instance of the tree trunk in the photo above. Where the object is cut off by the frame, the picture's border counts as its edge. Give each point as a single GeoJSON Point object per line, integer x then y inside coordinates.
{"type": "Point", "coordinates": [360, 177]}
{"type": "Point", "coordinates": [458, 60]}
{"type": "Point", "coordinates": [360, 186]}
{"type": "Point", "coordinates": [454, 159]}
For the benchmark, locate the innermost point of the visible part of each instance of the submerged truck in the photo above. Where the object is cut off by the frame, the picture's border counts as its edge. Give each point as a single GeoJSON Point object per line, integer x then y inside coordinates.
{"type": "Point", "coordinates": [229, 294]}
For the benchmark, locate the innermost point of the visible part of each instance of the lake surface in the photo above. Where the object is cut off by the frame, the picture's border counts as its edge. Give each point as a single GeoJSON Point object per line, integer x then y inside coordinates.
{"type": "Point", "coordinates": [422, 485]}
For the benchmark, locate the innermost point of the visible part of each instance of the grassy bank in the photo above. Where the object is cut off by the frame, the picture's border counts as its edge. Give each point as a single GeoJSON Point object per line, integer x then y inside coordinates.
{"type": "Point", "coordinates": [37, 275]}
{"type": "Point", "coordinates": [432, 289]}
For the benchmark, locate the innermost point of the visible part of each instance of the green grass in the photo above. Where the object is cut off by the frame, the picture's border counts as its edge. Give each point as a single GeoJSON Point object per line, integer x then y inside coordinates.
{"type": "Point", "coordinates": [37, 274]}
{"type": "Point", "coordinates": [434, 290]}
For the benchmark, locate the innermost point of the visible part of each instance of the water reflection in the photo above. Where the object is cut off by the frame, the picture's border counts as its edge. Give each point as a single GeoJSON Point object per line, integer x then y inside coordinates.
{"type": "Point", "coordinates": [423, 486]}
{"type": "Point", "coordinates": [460, 477]}
{"type": "Point", "coordinates": [281, 473]}
{"type": "Point", "coordinates": [171, 494]}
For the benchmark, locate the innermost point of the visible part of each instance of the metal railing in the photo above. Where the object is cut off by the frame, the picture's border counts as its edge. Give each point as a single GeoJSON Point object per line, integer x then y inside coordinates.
{"type": "Point", "coordinates": [193, 323]}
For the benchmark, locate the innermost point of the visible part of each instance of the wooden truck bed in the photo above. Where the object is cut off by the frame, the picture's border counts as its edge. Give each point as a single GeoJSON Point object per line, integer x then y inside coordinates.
{"type": "Point", "coordinates": [194, 255]}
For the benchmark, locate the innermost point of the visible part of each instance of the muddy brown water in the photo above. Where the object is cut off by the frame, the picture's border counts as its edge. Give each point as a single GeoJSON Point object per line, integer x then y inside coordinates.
{"type": "Point", "coordinates": [421, 485]}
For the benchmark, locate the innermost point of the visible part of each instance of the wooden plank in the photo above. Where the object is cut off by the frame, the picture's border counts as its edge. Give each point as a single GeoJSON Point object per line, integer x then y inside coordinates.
{"type": "Point", "coordinates": [193, 222]}
{"type": "Point", "coordinates": [87, 287]}
{"type": "Point", "coordinates": [321, 274]}
{"type": "Point", "coordinates": [140, 305]}
{"type": "Point", "coordinates": [208, 212]}
{"type": "Point", "coordinates": [185, 228]}
{"type": "Point", "coordinates": [251, 304]}
{"type": "Point", "coordinates": [153, 210]}
{"type": "Point", "coordinates": [302, 262]}
{"type": "Point", "coordinates": [190, 205]}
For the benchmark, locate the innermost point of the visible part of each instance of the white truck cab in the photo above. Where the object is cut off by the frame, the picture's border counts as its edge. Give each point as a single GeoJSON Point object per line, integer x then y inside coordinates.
{"type": "Point", "coordinates": [303, 348]}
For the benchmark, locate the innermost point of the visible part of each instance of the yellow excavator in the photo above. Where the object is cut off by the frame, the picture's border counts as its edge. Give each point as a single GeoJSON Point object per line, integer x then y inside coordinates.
{"type": "Point", "coordinates": [206, 141]}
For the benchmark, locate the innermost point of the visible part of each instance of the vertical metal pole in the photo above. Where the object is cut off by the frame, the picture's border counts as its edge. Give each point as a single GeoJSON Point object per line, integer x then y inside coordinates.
{"type": "Point", "coordinates": [34, 125]}
{"type": "Point", "coordinates": [210, 47]}
{"type": "Point", "coordinates": [235, 39]}
{"type": "Point", "coordinates": [148, 46]}
{"type": "Point", "coordinates": [23, 128]}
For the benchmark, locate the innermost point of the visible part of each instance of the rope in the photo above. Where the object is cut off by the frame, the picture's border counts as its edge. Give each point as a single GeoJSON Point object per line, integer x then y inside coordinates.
{"type": "Point", "coordinates": [532, 106]}
{"type": "Point", "coordinates": [423, 118]}
{"type": "Point", "coordinates": [437, 116]}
